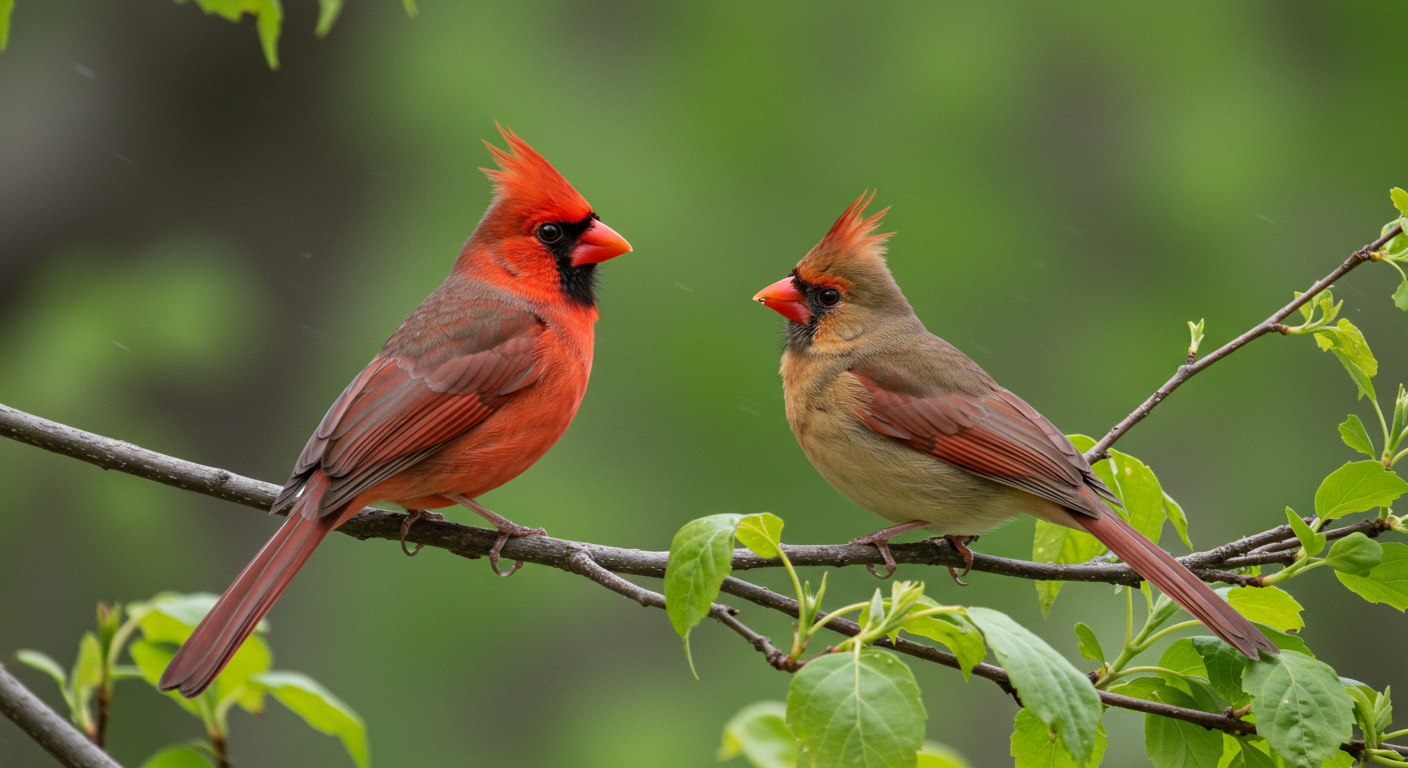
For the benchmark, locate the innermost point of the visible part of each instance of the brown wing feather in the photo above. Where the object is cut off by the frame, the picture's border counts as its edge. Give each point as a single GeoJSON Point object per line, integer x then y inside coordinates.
{"type": "Point", "coordinates": [422, 391]}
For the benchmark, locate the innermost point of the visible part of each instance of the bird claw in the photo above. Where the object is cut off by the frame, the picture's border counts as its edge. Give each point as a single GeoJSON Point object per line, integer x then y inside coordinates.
{"type": "Point", "coordinates": [884, 546]}
{"type": "Point", "coordinates": [412, 515]}
{"type": "Point", "coordinates": [960, 543]}
{"type": "Point", "coordinates": [507, 532]}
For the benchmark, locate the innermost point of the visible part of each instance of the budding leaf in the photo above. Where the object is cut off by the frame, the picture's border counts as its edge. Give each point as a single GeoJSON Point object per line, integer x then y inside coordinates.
{"type": "Point", "coordinates": [1312, 542]}
{"type": "Point", "coordinates": [761, 533]}
{"type": "Point", "coordinates": [1348, 344]}
{"type": "Point", "coordinates": [951, 629]}
{"type": "Point", "coordinates": [1355, 554]}
{"type": "Point", "coordinates": [1089, 644]}
{"type": "Point", "coordinates": [1400, 200]}
{"type": "Point", "coordinates": [1353, 434]}
{"type": "Point", "coordinates": [45, 664]}
{"type": "Point", "coordinates": [1400, 296]}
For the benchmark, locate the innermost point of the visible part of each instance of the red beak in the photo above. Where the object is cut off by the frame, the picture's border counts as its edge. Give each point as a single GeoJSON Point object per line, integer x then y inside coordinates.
{"type": "Point", "coordinates": [598, 244]}
{"type": "Point", "coordinates": [783, 298]}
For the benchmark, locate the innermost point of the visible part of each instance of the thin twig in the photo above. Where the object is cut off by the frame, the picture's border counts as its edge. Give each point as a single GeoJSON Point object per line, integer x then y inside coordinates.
{"type": "Point", "coordinates": [67, 744]}
{"type": "Point", "coordinates": [1186, 372]}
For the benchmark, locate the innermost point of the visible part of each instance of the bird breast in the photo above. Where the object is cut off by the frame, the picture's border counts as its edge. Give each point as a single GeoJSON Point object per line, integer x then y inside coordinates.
{"type": "Point", "coordinates": [882, 476]}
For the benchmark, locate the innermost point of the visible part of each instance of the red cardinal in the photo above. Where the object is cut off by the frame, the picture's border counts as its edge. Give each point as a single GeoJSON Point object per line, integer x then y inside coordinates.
{"type": "Point", "coordinates": [906, 426]}
{"type": "Point", "coordinates": [472, 389]}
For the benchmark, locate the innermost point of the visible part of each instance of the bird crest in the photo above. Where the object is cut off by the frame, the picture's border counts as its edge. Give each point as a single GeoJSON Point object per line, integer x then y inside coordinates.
{"type": "Point", "coordinates": [524, 176]}
{"type": "Point", "coordinates": [852, 238]}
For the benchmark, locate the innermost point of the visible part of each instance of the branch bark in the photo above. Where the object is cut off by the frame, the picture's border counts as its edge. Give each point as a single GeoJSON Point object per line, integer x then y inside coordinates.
{"type": "Point", "coordinates": [1186, 372]}
{"type": "Point", "coordinates": [67, 744]}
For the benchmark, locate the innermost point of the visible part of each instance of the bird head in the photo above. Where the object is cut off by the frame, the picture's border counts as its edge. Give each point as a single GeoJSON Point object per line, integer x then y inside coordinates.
{"type": "Point", "coordinates": [842, 287]}
{"type": "Point", "coordinates": [539, 230]}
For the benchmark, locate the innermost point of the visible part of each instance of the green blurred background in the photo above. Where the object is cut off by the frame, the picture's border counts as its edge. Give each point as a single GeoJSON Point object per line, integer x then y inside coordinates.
{"type": "Point", "coordinates": [196, 254]}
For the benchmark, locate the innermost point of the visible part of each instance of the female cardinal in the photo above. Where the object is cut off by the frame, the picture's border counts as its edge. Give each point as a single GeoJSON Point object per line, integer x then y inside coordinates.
{"type": "Point", "coordinates": [906, 426]}
{"type": "Point", "coordinates": [472, 389]}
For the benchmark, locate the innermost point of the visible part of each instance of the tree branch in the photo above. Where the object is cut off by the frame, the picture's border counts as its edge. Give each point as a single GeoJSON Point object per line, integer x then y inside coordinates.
{"type": "Point", "coordinates": [601, 564]}
{"type": "Point", "coordinates": [67, 744]}
{"type": "Point", "coordinates": [1186, 372]}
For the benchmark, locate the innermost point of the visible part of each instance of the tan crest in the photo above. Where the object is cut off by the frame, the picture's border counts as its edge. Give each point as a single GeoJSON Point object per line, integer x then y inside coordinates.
{"type": "Point", "coordinates": [852, 238]}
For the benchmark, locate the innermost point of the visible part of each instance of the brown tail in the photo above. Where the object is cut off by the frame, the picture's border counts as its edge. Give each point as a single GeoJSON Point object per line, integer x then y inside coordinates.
{"type": "Point", "coordinates": [1177, 582]}
{"type": "Point", "coordinates": [237, 612]}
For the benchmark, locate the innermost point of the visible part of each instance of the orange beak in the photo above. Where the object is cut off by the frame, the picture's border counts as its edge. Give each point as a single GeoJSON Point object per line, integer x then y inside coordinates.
{"type": "Point", "coordinates": [783, 298]}
{"type": "Point", "coordinates": [598, 244]}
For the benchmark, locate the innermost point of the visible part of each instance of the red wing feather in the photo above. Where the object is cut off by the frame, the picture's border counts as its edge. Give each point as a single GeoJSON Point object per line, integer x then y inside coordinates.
{"type": "Point", "coordinates": [413, 398]}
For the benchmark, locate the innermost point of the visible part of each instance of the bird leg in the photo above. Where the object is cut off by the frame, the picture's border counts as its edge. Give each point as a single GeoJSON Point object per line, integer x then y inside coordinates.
{"type": "Point", "coordinates": [507, 529]}
{"type": "Point", "coordinates": [881, 540]}
{"type": "Point", "coordinates": [412, 515]}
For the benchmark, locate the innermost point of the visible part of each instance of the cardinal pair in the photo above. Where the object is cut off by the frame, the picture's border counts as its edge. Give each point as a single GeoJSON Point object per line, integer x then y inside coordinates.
{"type": "Point", "coordinates": [487, 373]}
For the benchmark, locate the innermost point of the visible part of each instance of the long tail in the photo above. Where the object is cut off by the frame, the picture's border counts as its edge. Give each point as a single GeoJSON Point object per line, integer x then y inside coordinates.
{"type": "Point", "coordinates": [235, 615]}
{"type": "Point", "coordinates": [1177, 582]}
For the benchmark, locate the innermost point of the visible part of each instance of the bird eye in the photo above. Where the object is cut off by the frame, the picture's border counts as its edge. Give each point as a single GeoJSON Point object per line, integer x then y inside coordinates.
{"type": "Point", "coordinates": [829, 297]}
{"type": "Point", "coordinates": [549, 233]}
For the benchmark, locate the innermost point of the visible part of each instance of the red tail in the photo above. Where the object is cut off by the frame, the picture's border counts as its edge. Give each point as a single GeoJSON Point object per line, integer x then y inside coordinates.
{"type": "Point", "coordinates": [1177, 582]}
{"type": "Point", "coordinates": [235, 615]}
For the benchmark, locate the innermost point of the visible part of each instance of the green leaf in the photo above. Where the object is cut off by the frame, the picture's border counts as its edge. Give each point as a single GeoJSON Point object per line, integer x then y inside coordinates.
{"type": "Point", "coordinates": [1139, 490]}
{"type": "Point", "coordinates": [936, 755]}
{"type": "Point", "coordinates": [1272, 606]}
{"type": "Point", "coordinates": [1183, 658]}
{"type": "Point", "coordinates": [1355, 554]}
{"type": "Point", "coordinates": [1174, 512]}
{"type": "Point", "coordinates": [701, 557]}
{"type": "Point", "coordinates": [1400, 296]}
{"type": "Point", "coordinates": [1312, 542]}
{"type": "Point", "coordinates": [45, 664]}
{"type": "Point", "coordinates": [88, 668]}
{"type": "Point", "coordinates": [152, 660]}
{"type": "Point", "coordinates": [6, 6]}
{"type": "Point", "coordinates": [1059, 544]}
{"type": "Point", "coordinates": [171, 618]}
{"type": "Point", "coordinates": [1224, 666]}
{"type": "Point", "coordinates": [1353, 434]}
{"type": "Point", "coordinates": [1036, 746]}
{"type": "Point", "coordinates": [1248, 756]}
{"type": "Point", "coordinates": [1348, 344]}
{"type": "Point", "coordinates": [328, 11]}
{"type": "Point", "coordinates": [1400, 200]}
{"type": "Point", "coordinates": [1301, 708]}
{"type": "Point", "coordinates": [759, 733]}
{"type": "Point", "coordinates": [1174, 743]}
{"type": "Point", "coordinates": [178, 757]}
{"type": "Point", "coordinates": [268, 13]}
{"type": "Point", "coordinates": [857, 709]}
{"type": "Point", "coordinates": [1356, 487]}
{"type": "Point", "coordinates": [1048, 684]}
{"type": "Point", "coordinates": [251, 659]}
{"type": "Point", "coordinates": [1285, 642]}
{"type": "Point", "coordinates": [953, 630]}
{"type": "Point", "coordinates": [1386, 582]}
{"type": "Point", "coordinates": [1089, 644]}
{"type": "Point", "coordinates": [320, 709]}
{"type": "Point", "coordinates": [761, 534]}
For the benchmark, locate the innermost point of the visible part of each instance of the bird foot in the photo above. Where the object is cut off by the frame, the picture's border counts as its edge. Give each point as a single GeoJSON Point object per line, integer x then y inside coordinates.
{"type": "Point", "coordinates": [412, 515]}
{"type": "Point", "coordinates": [960, 543]}
{"type": "Point", "coordinates": [507, 529]}
{"type": "Point", "coordinates": [881, 540]}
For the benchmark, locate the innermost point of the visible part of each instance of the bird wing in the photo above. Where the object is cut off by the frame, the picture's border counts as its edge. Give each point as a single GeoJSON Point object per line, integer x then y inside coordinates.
{"type": "Point", "coordinates": [430, 385]}
{"type": "Point", "coordinates": [994, 435]}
